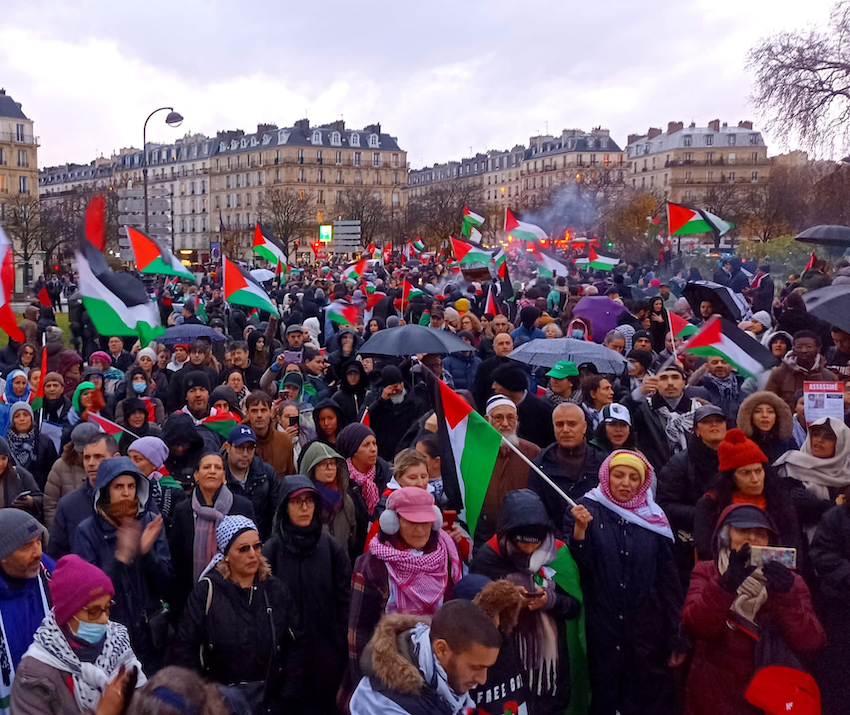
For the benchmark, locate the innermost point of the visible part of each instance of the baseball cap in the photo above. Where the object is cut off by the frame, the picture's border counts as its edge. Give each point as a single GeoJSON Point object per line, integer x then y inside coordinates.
{"type": "Point", "coordinates": [562, 369]}
{"type": "Point", "coordinates": [414, 504]}
{"type": "Point", "coordinates": [295, 328]}
{"type": "Point", "coordinates": [744, 516]}
{"type": "Point", "coordinates": [707, 411]}
{"type": "Point", "coordinates": [616, 412]}
{"type": "Point", "coordinates": [240, 435]}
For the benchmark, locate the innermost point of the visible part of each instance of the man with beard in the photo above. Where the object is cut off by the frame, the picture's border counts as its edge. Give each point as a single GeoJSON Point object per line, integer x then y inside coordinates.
{"type": "Point", "coordinates": [24, 589]}
{"type": "Point", "coordinates": [510, 471]}
{"type": "Point", "coordinates": [273, 446]}
{"type": "Point", "coordinates": [393, 412]}
{"type": "Point", "coordinates": [199, 354]}
{"type": "Point", "coordinates": [125, 539]}
{"type": "Point", "coordinates": [55, 405]}
{"type": "Point", "coordinates": [197, 396]}
{"type": "Point", "coordinates": [534, 413]}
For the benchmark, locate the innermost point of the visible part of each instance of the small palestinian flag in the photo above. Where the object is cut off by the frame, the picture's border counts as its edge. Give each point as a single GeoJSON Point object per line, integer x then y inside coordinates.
{"type": "Point", "coordinates": [343, 313]}
{"type": "Point", "coordinates": [374, 298]}
{"type": "Point", "coordinates": [241, 288]}
{"type": "Point", "coordinates": [680, 327]}
{"type": "Point", "coordinates": [470, 221]}
{"type": "Point", "coordinates": [684, 221]}
{"type": "Point", "coordinates": [492, 305]}
{"type": "Point", "coordinates": [269, 248]}
{"type": "Point", "coordinates": [355, 271]}
{"type": "Point", "coordinates": [150, 257]}
{"type": "Point", "coordinates": [387, 252]}
{"type": "Point", "coordinates": [364, 420]}
{"type": "Point", "coordinates": [522, 230]}
{"type": "Point", "coordinates": [418, 246]}
{"type": "Point", "coordinates": [44, 298]}
{"type": "Point", "coordinates": [425, 318]}
{"type": "Point", "coordinates": [723, 338]}
{"type": "Point", "coordinates": [221, 421]}
{"type": "Point", "coordinates": [547, 265]}
{"type": "Point", "coordinates": [117, 303]}
{"type": "Point", "coordinates": [408, 291]}
{"type": "Point", "coordinates": [809, 265]}
{"type": "Point", "coordinates": [467, 253]}
{"type": "Point", "coordinates": [601, 263]}
{"type": "Point", "coordinates": [499, 262]}
{"type": "Point", "coordinates": [37, 400]}
{"type": "Point", "coordinates": [110, 427]}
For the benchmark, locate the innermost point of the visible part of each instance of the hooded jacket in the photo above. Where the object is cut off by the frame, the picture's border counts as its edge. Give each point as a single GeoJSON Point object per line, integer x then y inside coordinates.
{"type": "Point", "coordinates": [179, 429]}
{"type": "Point", "coordinates": [352, 398]}
{"type": "Point", "coordinates": [341, 421]}
{"type": "Point", "coordinates": [778, 440]}
{"type": "Point", "coordinates": [159, 409]}
{"type": "Point", "coordinates": [337, 359]}
{"type": "Point", "coordinates": [317, 571]}
{"type": "Point", "coordinates": [788, 377]}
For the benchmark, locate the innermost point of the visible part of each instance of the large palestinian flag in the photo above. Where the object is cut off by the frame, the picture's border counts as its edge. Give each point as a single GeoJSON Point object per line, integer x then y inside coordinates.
{"type": "Point", "coordinates": [241, 288]}
{"type": "Point", "coordinates": [547, 265]}
{"type": "Point", "coordinates": [151, 257]}
{"type": "Point", "coordinates": [684, 221]}
{"type": "Point", "coordinates": [8, 319]}
{"type": "Point", "coordinates": [467, 253]}
{"type": "Point", "coordinates": [408, 291]}
{"type": "Point", "coordinates": [470, 221]}
{"type": "Point", "coordinates": [117, 303]}
{"type": "Point", "coordinates": [355, 271]}
{"type": "Point", "coordinates": [269, 248]}
{"type": "Point", "coordinates": [522, 230]}
{"type": "Point", "coordinates": [723, 338]}
{"type": "Point", "coordinates": [343, 313]}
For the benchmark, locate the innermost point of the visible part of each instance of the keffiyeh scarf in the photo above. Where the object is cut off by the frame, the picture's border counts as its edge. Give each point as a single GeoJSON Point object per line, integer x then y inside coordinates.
{"type": "Point", "coordinates": [366, 482]}
{"type": "Point", "coordinates": [678, 425]}
{"type": "Point", "coordinates": [22, 446]}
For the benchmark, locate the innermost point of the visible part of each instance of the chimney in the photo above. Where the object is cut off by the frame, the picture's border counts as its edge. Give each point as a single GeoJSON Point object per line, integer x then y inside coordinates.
{"type": "Point", "coordinates": [374, 128]}
{"type": "Point", "coordinates": [673, 127]}
{"type": "Point", "coordinates": [653, 132]}
{"type": "Point", "coordinates": [337, 126]}
{"type": "Point", "coordinates": [303, 125]}
{"type": "Point", "coordinates": [263, 128]}
{"type": "Point", "coordinates": [745, 125]}
{"type": "Point", "coordinates": [714, 125]}
{"type": "Point", "coordinates": [632, 138]}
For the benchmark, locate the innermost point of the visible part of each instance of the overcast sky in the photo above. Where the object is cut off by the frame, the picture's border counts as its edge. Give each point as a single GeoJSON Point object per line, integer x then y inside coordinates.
{"type": "Point", "coordinates": [442, 76]}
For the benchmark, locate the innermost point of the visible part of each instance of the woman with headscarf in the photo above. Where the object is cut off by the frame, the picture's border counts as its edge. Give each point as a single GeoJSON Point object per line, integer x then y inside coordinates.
{"type": "Point", "coordinates": [522, 549]}
{"type": "Point", "coordinates": [234, 378]}
{"type": "Point", "coordinates": [329, 421]}
{"type": "Point", "coordinates": [31, 450]}
{"type": "Point", "coordinates": [240, 627]}
{"type": "Point", "coordinates": [316, 569]}
{"type": "Point", "coordinates": [18, 488]}
{"type": "Point", "coordinates": [659, 323]}
{"type": "Point", "coordinates": [70, 366]}
{"type": "Point", "coordinates": [733, 606]}
{"type": "Point", "coordinates": [139, 386]}
{"type": "Point", "coordinates": [192, 539]}
{"type": "Point", "coordinates": [766, 420]}
{"type": "Point", "coordinates": [80, 662]}
{"type": "Point", "coordinates": [17, 390]}
{"type": "Point", "coordinates": [822, 466]}
{"type": "Point", "coordinates": [87, 399]}
{"type": "Point", "coordinates": [623, 546]}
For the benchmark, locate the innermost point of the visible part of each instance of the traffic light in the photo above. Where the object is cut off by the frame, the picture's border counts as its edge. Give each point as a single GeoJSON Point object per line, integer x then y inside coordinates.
{"type": "Point", "coordinates": [297, 243]}
{"type": "Point", "coordinates": [316, 246]}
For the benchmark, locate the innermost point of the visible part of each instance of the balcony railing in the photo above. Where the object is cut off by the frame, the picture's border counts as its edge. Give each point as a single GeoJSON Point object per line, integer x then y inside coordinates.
{"type": "Point", "coordinates": [15, 138]}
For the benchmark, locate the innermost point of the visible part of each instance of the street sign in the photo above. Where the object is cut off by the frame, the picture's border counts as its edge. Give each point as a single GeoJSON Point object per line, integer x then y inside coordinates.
{"type": "Point", "coordinates": [346, 236]}
{"type": "Point", "coordinates": [325, 233]}
{"type": "Point", "coordinates": [155, 205]}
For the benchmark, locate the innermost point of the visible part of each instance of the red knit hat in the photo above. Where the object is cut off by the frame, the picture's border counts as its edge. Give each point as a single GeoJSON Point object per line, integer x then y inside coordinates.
{"type": "Point", "coordinates": [736, 450]}
{"type": "Point", "coordinates": [75, 583]}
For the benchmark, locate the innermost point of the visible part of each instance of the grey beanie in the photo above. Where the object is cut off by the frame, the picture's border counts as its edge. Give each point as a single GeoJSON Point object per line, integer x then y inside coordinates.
{"type": "Point", "coordinates": [82, 433]}
{"type": "Point", "coordinates": [17, 407]}
{"type": "Point", "coordinates": [17, 528]}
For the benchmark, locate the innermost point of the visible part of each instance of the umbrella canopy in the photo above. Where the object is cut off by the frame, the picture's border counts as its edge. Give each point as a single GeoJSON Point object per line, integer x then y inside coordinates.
{"type": "Point", "coordinates": [545, 353]}
{"type": "Point", "coordinates": [838, 236]}
{"type": "Point", "coordinates": [728, 303]}
{"type": "Point", "coordinates": [187, 333]}
{"type": "Point", "coordinates": [830, 304]}
{"type": "Point", "coordinates": [262, 274]}
{"type": "Point", "coordinates": [602, 313]}
{"type": "Point", "coordinates": [413, 340]}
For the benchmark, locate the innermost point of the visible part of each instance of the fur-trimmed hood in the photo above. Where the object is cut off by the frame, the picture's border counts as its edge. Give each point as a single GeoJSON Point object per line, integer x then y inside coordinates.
{"type": "Point", "coordinates": [784, 425]}
{"type": "Point", "coordinates": [389, 654]}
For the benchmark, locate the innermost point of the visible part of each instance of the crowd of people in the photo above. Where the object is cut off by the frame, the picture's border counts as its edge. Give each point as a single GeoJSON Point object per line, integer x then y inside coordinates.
{"type": "Point", "coordinates": [272, 527]}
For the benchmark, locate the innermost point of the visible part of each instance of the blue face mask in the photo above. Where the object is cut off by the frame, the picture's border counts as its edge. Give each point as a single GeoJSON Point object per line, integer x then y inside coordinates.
{"type": "Point", "coordinates": [578, 334]}
{"type": "Point", "coordinates": [90, 632]}
{"type": "Point", "coordinates": [139, 387]}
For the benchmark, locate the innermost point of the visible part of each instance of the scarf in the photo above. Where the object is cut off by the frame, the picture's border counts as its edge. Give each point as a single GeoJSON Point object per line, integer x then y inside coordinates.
{"type": "Point", "coordinates": [751, 596]}
{"type": "Point", "coordinates": [819, 475]}
{"type": "Point", "coordinates": [366, 482]}
{"type": "Point", "coordinates": [51, 647]}
{"type": "Point", "coordinates": [756, 282]}
{"type": "Point", "coordinates": [726, 386]}
{"type": "Point", "coordinates": [207, 518]}
{"type": "Point", "coordinates": [300, 539]}
{"type": "Point", "coordinates": [555, 398]}
{"type": "Point", "coordinates": [420, 580]}
{"type": "Point", "coordinates": [330, 502]}
{"type": "Point", "coordinates": [677, 425]}
{"type": "Point", "coordinates": [22, 446]}
{"type": "Point", "coordinates": [791, 361]}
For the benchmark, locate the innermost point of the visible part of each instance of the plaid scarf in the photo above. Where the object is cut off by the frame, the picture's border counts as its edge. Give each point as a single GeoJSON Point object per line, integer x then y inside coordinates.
{"type": "Point", "coordinates": [726, 386]}
{"type": "Point", "coordinates": [22, 446]}
{"type": "Point", "coordinates": [366, 482]}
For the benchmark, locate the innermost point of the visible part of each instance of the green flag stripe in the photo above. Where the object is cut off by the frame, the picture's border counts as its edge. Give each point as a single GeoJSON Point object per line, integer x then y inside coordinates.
{"type": "Point", "coordinates": [480, 449]}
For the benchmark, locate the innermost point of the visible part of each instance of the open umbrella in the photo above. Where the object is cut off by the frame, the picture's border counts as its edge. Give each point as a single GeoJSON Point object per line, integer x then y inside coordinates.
{"type": "Point", "coordinates": [731, 305]}
{"type": "Point", "coordinates": [837, 236]}
{"type": "Point", "coordinates": [602, 313]}
{"type": "Point", "coordinates": [830, 304]}
{"type": "Point", "coordinates": [545, 353]}
{"type": "Point", "coordinates": [262, 274]}
{"type": "Point", "coordinates": [413, 340]}
{"type": "Point", "coordinates": [187, 333]}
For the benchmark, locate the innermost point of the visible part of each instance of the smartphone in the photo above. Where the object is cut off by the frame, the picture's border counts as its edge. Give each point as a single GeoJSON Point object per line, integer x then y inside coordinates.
{"type": "Point", "coordinates": [293, 420]}
{"type": "Point", "coordinates": [449, 517]}
{"type": "Point", "coordinates": [130, 686]}
{"type": "Point", "coordinates": [761, 555]}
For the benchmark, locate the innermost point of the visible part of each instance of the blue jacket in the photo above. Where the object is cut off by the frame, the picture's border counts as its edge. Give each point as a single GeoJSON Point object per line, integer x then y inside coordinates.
{"type": "Point", "coordinates": [71, 511]}
{"type": "Point", "coordinates": [520, 335]}
{"type": "Point", "coordinates": [23, 610]}
{"type": "Point", "coordinates": [463, 367]}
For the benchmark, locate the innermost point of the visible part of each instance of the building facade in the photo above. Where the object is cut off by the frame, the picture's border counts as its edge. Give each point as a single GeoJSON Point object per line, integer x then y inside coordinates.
{"type": "Point", "coordinates": [683, 164]}
{"type": "Point", "coordinates": [18, 152]}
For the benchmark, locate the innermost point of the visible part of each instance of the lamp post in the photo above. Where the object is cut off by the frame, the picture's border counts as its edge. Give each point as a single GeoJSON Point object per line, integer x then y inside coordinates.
{"type": "Point", "coordinates": [174, 119]}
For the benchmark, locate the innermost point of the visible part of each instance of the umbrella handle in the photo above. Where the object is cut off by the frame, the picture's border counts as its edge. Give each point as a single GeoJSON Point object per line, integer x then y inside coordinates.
{"type": "Point", "coordinates": [560, 492]}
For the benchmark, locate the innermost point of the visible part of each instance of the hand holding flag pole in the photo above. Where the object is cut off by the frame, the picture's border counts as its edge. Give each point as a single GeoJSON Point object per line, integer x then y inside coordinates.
{"type": "Point", "coordinates": [560, 492]}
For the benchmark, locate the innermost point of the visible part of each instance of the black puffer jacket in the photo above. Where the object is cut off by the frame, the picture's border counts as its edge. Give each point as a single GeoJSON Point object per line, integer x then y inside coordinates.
{"type": "Point", "coordinates": [185, 445]}
{"type": "Point", "coordinates": [262, 488]}
{"type": "Point", "coordinates": [684, 480]}
{"type": "Point", "coordinates": [317, 572]}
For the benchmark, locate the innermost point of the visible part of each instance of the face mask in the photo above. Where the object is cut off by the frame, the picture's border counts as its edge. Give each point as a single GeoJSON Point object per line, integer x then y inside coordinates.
{"type": "Point", "coordinates": [577, 334]}
{"type": "Point", "coordinates": [90, 632]}
{"type": "Point", "coordinates": [139, 387]}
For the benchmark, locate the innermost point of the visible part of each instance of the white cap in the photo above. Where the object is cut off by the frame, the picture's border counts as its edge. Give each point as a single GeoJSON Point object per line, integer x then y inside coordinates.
{"type": "Point", "coordinates": [616, 411]}
{"type": "Point", "coordinates": [496, 401]}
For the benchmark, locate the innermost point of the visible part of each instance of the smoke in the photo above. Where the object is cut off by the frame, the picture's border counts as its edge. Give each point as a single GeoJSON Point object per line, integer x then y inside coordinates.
{"type": "Point", "coordinates": [572, 204]}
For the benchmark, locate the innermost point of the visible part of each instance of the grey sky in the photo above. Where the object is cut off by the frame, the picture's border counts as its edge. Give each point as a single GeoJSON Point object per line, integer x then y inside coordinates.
{"type": "Point", "coordinates": [441, 76]}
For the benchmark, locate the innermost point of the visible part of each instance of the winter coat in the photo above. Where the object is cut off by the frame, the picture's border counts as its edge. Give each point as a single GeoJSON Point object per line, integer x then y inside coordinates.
{"type": "Point", "coordinates": [180, 429]}
{"type": "Point", "coordinates": [351, 399]}
{"type": "Point", "coordinates": [56, 411]}
{"type": "Point", "coordinates": [390, 421]}
{"type": "Point", "coordinates": [779, 439]}
{"type": "Point", "coordinates": [181, 542]}
{"type": "Point", "coordinates": [724, 656]}
{"type": "Point", "coordinates": [786, 381]}
{"type": "Point", "coordinates": [762, 297]}
{"type": "Point", "coordinates": [71, 511]}
{"type": "Point", "coordinates": [276, 450]}
{"type": "Point", "coordinates": [684, 480]}
{"type": "Point", "coordinates": [63, 479]}
{"type": "Point", "coordinates": [262, 488]}
{"type": "Point", "coordinates": [575, 483]}
{"type": "Point", "coordinates": [231, 641]}
{"type": "Point", "coordinates": [482, 386]}
{"type": "Point", "coordinates": [463, 367]}
{"type": "Point", "coordinates": [729, 406]}
{"type": "Point", "coordinates": [534, 420]}
{"type": "Point", "coordinates": [341, 421]}
{"type": "Point", "coordinates": [634, 603]}
{"type": "Point", "coordinates": [43, 690]}
{"type": "Point", "coordinates": [383, 476]}
{"type": "Point", "coordinates": [318, 576]}
{"type": "Point", "coordinates": [22, 611]}
{"type": "Point", "coordinates": [43, 459]}
{"type": "Point", "coordinates": [649, 428]}
{"type": "Point", "coordinates": [15, 480]}
{"type": "Point", "coordinates": [176, 391]}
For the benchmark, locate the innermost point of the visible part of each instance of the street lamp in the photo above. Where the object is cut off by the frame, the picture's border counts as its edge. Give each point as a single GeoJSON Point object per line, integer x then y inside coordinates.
{"type": "Point", "coordinates": [174, 119]}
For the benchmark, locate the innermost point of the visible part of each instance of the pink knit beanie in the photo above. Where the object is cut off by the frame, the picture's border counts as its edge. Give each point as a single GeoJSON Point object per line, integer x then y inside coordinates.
{"type": "Point", "coordinates": [74, 584]}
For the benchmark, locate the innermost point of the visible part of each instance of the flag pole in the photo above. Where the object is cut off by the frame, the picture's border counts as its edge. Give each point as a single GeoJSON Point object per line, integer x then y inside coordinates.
{"type": "Point", "coordinates": [560, 492]}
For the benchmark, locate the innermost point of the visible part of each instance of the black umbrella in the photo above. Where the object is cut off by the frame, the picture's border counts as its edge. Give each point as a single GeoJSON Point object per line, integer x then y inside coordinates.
{"type": "Point", "coordinates": [726, 302]}
{"type": "Point", "coordinates": [187, 333]}
{"type": "Point", "coordinates": [835, 236]}
{"type": "Point", "coordinates": [830, 304]}
{"type": "Point", "coordinates": [412, 340]}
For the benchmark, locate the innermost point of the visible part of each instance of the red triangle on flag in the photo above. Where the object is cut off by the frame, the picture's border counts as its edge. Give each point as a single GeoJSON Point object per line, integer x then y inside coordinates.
{"type": "Point", "coordinates": [43, 297]}
{"type": "Point", "coordinates": [510, 221]}
{"type": "Point", "coordinates": [708, 336]}
{"type": "Point", "coordinates": [592, 255]}
{"type": "Point", "coordinates": [145, 249]}
{"type": "Point", "coordinates": [677, 216]}
{"type": "Point", "coordinates": [233, 278]}
{"type": "Point", "coordinates": [811, 262]}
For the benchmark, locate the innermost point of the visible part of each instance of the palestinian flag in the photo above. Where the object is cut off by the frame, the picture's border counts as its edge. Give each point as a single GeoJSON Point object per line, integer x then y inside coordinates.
{"type": "Point", "coordinates": [269, 248]}
{"type": "Point", "coordinates": [44, 298]}
{"type": "Point", "coordinates": [364, 420]}
{"type": "Point", "coordinates": [151, 257]}
{"type": "Point", "coordinates": [387, 252]}
{"type": "Point", "coordinates": [522, 230]}
{"type": "Point", "coordinates": [417, 245]}
{"type": "Point", "coordinates": [491, 306]}
{"type": "Point", "coordinates": [470, 221]}
{"type": "Point", "coordinates": [809, 265]}
{"type": "Point", "coordinates": [355, 271]}
{"type": "Point", "coordinates": [499, 262]}
{"type": "Point", "coordinates": [374, 297]}
{"type": "Point", "coordinates": [601, 263]}
{"type": "Point", "coordinates": [425, 318]}
{"type": "Point", "coordinates": [684, 221]}
{"type": "Point", "coordinates": [475, 235]}
{"type": "Point", "coordinates": [547, 265]}
{"type": "Point", "coordinates": [8, 320]}
{"type": "Point", "coordinates": [680, 327]}
{"type": "Point", "coordinates": [723, 338]}
{"type": "Point", "coordinates": [117, 303]}
{"type": "Point", "coordinates": [467, 253]}
{"type": "Point", "coordinates": [108, 426]}
{"type": "Point", "coordinates": [37, 399]}
{"type": "Point", "coordinates": [343, 313]}
{"type": "Point", "coordinates": [408, 291]}
{"type": "Point", "coordinates": [221, 421]}
{"type": "Point", "coordinates": [241, 287]}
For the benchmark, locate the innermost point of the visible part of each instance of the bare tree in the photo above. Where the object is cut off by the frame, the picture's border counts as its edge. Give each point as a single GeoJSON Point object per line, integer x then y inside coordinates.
{"type": "Point", "coordinates": [365, 206]}
{"type": "Point", "coordinates": [287, 212]}
{"type": "Point", "coordinates": [802, 86]}
{"type": "Point", "coordinates": [24, 227]}
{"type": "Point", "coordinates": [441, 208]}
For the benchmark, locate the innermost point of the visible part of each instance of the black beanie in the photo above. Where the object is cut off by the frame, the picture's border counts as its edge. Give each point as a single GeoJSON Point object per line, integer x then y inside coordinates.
{"type": "Point", "coordinates": [391, 375]}
{"type": "Point", "coordinates": [511, 377]}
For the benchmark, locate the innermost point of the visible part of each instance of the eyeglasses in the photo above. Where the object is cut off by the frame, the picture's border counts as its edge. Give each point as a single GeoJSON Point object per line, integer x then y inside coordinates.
{"type": "Point", "coordinates": [303, 501]}
{"type": "Point", "coordinates": [95, 612]}
{"type": "Point", "coordinates": [248, 547]}
{"type": "Point", "coordinates": [246, 447]}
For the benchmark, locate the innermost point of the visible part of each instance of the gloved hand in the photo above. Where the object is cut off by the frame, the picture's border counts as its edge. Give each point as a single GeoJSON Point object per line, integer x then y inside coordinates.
{"type": "Point", "coordinates": [779, 578]}
{"type": "Point", "coordinates": [738, 570]}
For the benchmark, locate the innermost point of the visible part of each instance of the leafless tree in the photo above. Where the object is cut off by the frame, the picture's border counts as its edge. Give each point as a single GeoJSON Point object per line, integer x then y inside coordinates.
{"type": "Point", "coordinates": [24, 227]}
{"type": "Point", "coordinates": [365, 206]}
{"type": "Point", "coordinates": [441, 208]}
{"type": "Point", "coordinates": [287, 212]}
{"type": "Point", "coordinates": [802, 85]}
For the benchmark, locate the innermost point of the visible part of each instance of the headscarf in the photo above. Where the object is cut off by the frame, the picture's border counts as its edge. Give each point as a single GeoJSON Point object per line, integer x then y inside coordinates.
{"type": "Point", "coordinates": [818, 474]}
{"type": "Point", "coordinates": [641, 509]}
{"type": "Point", "coordinates": [226, 533]}
{"type": "Point", "coordinates": [23, 445]}
{"type": "Point", "coordinates": [348, 441]}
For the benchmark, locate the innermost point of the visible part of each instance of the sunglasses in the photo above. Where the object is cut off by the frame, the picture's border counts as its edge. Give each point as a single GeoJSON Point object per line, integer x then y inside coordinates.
{"type": "Point", "coordinates": [250, 547]}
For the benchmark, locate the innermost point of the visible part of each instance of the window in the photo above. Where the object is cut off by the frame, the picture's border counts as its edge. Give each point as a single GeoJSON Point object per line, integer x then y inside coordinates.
{"type": "Point", "coordinates": [651, 181]}
{"type": "Point", "coordinates": [593, 160]}
{"type": "Point", "coordinates": [2, 158]}
{"type": "Point", "coordinates": [688, 176]}
{"type": "Point", "coordinates": [321, 178]}
{"type": "Point", "coordinates": [335, 139]}
{"type": "Point", "coordinates": [22, 185]}
{"type": "Point", "coordinates": [358, 177]}
{"type": "Point", "coordinates": [277, 176]}
{"type": "Point", "coordinates": [688, 156]}
{"type": "Point", "coordinates": [709, 139]}
{"type": "Point", "coordinates": [248, 199]}
{"type": "Point", "coordinates": [732, 176]}
{"type": "Point", "coordinates": [19, 132]}
{"type": "Point", "coordinates": [687, 140]}
{"type": "Point", "coordinates": [218, 202]}
{"type": "Point", "coordinates": [373, 140]}
{"type": "Point", "coordinates": [229, 165]}
{"type": "Point", "coordinates": [339, 197]}
{"type": "Point", "coordinates": [755, 157]}
{"type": "Point", "coordinates": [338, 177]}
{"type": "Point", "coordinates": [227, 203]}
{"type": "Point", "coordinates": [354, 139]}
{"type": "Point", "coordinates": [319, 159]}
{"type": "Point", "coordinates": [376, 158]}
{"type": "Point", "coordinates": [317, 137]}
{"type": "Point", "coordinates": [754, 177]}
{"type": "Point", "coordinates": [338, 158]}
{"type": "Point", "coordinates": [358, 158]}
{"type": "Point", "coordinates": [301, 175]}
{"type": "Point", "coordinates": [395, 199]}
{"type": "Point", "coordinates": [320, 196]}
{"type": "Point", "coordinates": [709, 156]}
{"type": "Point", "coordinates": [754, 139]}
{"type": "Point", "coordinates": [394, 160]}
{"type": "Point", "coordinates": [395, 177]}
{"type": "Point", "coordinates": [238, 200]}
{"type": "Point", "coordinates": [300, 156]}
{"type": "Point", "coordinates": [709, 176]}
{"type": "Point", "coordinates": [665, 179]}
{"type": "Point", "coordinates": [22, 158]}
{"type": "Point", "coordinates": [730, 159]}
{"type": "Point", "coordinates": [731, 139]}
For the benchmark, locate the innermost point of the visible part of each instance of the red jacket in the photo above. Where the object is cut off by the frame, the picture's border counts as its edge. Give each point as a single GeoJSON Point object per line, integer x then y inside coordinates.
{"type": "Point", "coordinates": [723, 662]}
